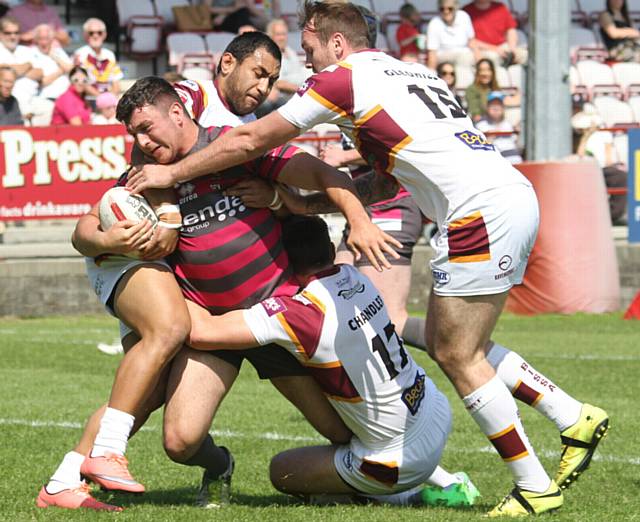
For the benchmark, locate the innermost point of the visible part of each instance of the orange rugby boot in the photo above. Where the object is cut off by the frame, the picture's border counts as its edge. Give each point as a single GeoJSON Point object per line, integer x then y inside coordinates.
{"type": "Point", "coordinates": [110, 472]}
{"type": "Point", "coordinates": [73, 498]}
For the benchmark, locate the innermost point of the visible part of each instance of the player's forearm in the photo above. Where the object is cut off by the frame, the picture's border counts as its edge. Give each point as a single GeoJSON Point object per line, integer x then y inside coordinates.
{"type": "Point", "coordinates": [223, 332]}
{"type": "Point", "coordinates": [370, 188]}
{"type": "Point", "coordinates": [237, 146]}
{"type": "Point", "coordinates": [87, 238]}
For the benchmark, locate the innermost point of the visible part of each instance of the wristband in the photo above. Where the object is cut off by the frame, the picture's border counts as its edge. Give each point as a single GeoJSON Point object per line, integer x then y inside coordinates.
{"type": "Point", "coordinates": [277, 202]}
{"type": "Point", "coordinates": [167, 209]}
{"type": "Point", "coordinates": [174, 226]}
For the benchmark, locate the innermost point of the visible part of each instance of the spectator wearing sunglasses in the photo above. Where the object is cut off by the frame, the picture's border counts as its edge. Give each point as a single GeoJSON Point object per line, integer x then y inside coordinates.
{"type": "Point", "coordinates": [22, 60]}
{"type": "Point", "coordinates": [447, 71]}
{"type": "Point", "coordinates": [32, 13]}
{"type": "Point", "coordinates": [450, 36]}
{"type": "Point", "coordinates": [104, 72]}
{"type": "Point", "coordinates": [71, 108]}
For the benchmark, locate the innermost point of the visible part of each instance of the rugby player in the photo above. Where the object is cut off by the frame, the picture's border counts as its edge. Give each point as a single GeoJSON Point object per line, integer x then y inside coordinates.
{"type": "Point", "coordinates": [407, 126]}
{"type": "Point", "coordinates": [338, 327]}
{"type": "Point", "coordinates": [72, 495]}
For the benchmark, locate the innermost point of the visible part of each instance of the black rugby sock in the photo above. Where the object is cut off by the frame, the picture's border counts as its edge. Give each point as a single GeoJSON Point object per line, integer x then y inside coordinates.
{"type": "Point", "coordinates": [210, 457]}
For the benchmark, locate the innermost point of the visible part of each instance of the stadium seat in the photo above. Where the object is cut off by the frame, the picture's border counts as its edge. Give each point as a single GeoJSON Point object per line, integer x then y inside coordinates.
{"type": "Point", "coordinates": [591, 6]}
{"type": "Point", "coordinates": [464, 76]}
{"type": "Point", "coordinates": [614, 110]}
{"type": "Point", "coordinates": [516, 74]}
{"type": "Point", "coordinates": [626, 73]}
{"type": "Point", "coordinates": [197, 66]}
{"type": "Point", "coordinates": [502, 75]}
{"type": "Point", "coordinates": [621, 145]}
{"type": "Point", "coordinates": [574, 78]}
{"type": "Point", "coordinates": [634, 103]}
{"type": "Point", "coordinates": [217, 42]}
{"type": "Point", "coordinates": [384, 7]}
{"type": "Point", "coordinates": [142, 30]}
{"type": "Point", "coordinates": [289, 7]}
{"type": "Point", "coordinates": [513, 115]}
{"type": "Point", "coordinates": [580, 36]}
{"type": "Point", "coordinates": [592, 73]}
{"type": "Point", "coordinates": [181, 43]}
{"type": "Point", "coordinates": [523, 39]}
{"type": "Point", "coordinates": [164, 9]}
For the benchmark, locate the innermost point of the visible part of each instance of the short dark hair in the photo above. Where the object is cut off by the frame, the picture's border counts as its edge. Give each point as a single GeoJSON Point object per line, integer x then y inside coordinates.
{"type": "Point", "coordinates": [146, 91]}
{"type": "Point", "coordinates": [78, 69]}
{"type": "Point", "coordinates": [407, 10]}
{"type": "Point", "coordinates": [307, 242]}
{"type": "Point", "coordinates": [331, 18]}
{"type": "Point", "coordinates": [246, 44]}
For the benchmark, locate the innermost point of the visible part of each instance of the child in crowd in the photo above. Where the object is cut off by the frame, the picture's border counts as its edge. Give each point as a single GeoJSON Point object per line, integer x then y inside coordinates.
{"type": "Point", "coordinates": [408, 34]}
{"type": "Point", "coordinates": [106, 109]}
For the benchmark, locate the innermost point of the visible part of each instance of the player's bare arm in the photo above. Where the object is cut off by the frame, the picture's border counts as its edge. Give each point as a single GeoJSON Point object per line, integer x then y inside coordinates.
{"type": "Point", "coordinates": [307, 172]}
{"type": "Point", "coordinates": [239, 145]}
{"type": "Point", "coordinates": [370, 187]}
{"type": "Point", "coordinates": [122, 238]}
{"type": "Point", "coordinates": [219, 332]}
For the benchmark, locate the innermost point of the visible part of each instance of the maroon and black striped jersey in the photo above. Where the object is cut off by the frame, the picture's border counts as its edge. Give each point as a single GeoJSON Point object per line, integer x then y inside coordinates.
{"type": "Point", "coordinates": [230, 256]}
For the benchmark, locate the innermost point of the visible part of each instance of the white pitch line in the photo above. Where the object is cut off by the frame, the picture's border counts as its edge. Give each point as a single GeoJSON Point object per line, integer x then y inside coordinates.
{"type": "Point", "coordinates": [635, 461]}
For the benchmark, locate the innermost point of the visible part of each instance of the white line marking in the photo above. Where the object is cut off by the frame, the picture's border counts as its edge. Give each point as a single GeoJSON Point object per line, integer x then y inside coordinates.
{"type": "Point", "coordinates": [635, 461]}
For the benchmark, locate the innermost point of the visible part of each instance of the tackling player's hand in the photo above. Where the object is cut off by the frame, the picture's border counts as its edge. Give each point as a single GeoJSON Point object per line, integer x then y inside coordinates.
{"type": "Point", "coordinates": [332, 155]}
{"type": "Point", "coordinates": [368, 239]}
{"type": "Point", "coordinates": [254, 192]}
{"type": "Point", "coordinates": [127, 236]}
{"type": "Point", "coordinates": [143, 177]}
{"type": "Point", "coordinates": [162, 243]}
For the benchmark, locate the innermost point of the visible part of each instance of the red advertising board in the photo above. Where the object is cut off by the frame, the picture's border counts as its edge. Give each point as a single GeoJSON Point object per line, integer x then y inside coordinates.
{"type": "Point", "coordinates": [58, 171]}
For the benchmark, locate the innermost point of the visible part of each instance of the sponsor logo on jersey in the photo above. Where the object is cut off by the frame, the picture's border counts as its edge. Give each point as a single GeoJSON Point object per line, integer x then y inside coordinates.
{"type": "Point", "coordinates": [350, 292]}
{"type": "Point", "coordinates": [347, 460]}
{"type": "Point", "coordinates": [273, 306]}
{"type": "Point", "coordinates": [413, 395]}
{"type": "Point", "coordinates": [223, 208]}
{"type": "Point", "coordinates": [440, 276]}
{"type": "Point", "coordinates": [190, 84]}
{"type": "Point", "coordinates": [308, 83]}
{"type": "Point", "coordinates": [474, 141]}
{"type": "Point", "coordinates": [505, 263]}
{"type": "Point", "coordinates": [366, 314]}
{"type": "Point", "coordinates": [186, 193]}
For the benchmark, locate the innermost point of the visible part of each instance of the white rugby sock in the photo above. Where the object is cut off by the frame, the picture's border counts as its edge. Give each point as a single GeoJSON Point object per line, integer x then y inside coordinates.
{"type": "Point", "coordinates": [113, 435]}
{"type": "Point", "coordinates": [67, 475]}
{"type": "Point", "coordinates": [533, 388]}
{"type": "Point", "coordinates": [495, 411]}
{"type": "Point", "coordinates": [442, 478]}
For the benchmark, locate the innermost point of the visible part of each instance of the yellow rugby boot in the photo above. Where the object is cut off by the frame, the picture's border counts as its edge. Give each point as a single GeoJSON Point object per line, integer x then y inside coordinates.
{"type": "Point", "coordinates": [522, 503]}
{"type": "Point", "coordinates": [579, 443]}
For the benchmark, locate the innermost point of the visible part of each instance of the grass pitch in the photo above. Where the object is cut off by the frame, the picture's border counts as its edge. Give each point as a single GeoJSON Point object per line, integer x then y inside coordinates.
{"type": "Point", "coordinates": [52, 377]}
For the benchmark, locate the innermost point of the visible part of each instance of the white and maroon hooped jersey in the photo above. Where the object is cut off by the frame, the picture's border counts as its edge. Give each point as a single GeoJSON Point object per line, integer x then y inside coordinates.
{"type": "Point", "coordinates": [204, 104]}
{"type": "Point", "coordinates": [338, 327]}
{"type": "Point", "coordinates": [404, 122]}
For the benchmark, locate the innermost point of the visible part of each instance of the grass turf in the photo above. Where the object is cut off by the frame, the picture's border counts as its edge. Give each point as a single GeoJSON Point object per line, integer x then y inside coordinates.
{"type": "Point", "coordinates": [52, 378]}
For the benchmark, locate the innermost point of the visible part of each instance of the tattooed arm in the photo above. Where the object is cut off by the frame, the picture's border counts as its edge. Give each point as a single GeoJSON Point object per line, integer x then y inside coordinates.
{"type": "Point", "coordinates": [371, 188]}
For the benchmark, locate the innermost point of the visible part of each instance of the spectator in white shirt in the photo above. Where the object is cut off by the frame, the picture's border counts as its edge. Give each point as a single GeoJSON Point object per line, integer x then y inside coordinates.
{"type": "Point", "coordinates": [450, 36]}
{"type": "Point", "coordinates": [494, 121]}
{"type": "Point", "coordinates": [104, 72]}
{"type": "Point", "coordinates": [22, 60]}
{"type": "Point", "coordinates": [292, 70]}
{"type": "Point", "coordinates": [53, 60]}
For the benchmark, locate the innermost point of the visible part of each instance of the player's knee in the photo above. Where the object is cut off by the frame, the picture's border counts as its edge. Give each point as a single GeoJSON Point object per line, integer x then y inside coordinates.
{"type": "Point", "coordinates": [278, 472]}
{"type": "Point", "coordinates": [166, 339]}
{"type": "Point", "coordinates": [178, 445]}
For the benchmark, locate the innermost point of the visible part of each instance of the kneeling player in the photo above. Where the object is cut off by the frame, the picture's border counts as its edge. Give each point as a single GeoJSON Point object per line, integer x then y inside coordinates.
{"type": "Point", "coordinates": [338, 327]}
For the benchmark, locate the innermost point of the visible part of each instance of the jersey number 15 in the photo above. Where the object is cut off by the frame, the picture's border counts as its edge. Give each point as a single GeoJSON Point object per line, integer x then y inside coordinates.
{"type": "Point", "coordinates": [443, 98]}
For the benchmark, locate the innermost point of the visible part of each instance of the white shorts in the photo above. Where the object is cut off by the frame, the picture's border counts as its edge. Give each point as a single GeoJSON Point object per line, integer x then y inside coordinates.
{"type": "Point", "coordinates": [405, 463]}
{"type": "Point", "coordinates": [105, 274]}
{"type": "Point", "coordinates": [484, 246]}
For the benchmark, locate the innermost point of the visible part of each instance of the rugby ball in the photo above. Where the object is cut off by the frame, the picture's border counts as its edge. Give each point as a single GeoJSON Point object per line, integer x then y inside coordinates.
{"type": "Point", "coordinates": [118, 204]}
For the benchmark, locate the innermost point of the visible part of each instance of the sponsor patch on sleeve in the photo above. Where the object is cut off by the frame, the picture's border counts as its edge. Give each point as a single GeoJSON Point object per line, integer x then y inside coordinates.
{"type": "Point", "coordinates": [413, 395]}
{"type": "Point", "coordinates": [308, 83]}
{"type": "Point", "coordinates": [474, 140]}
{"type": "Point", "coordinates": [273, 306]}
